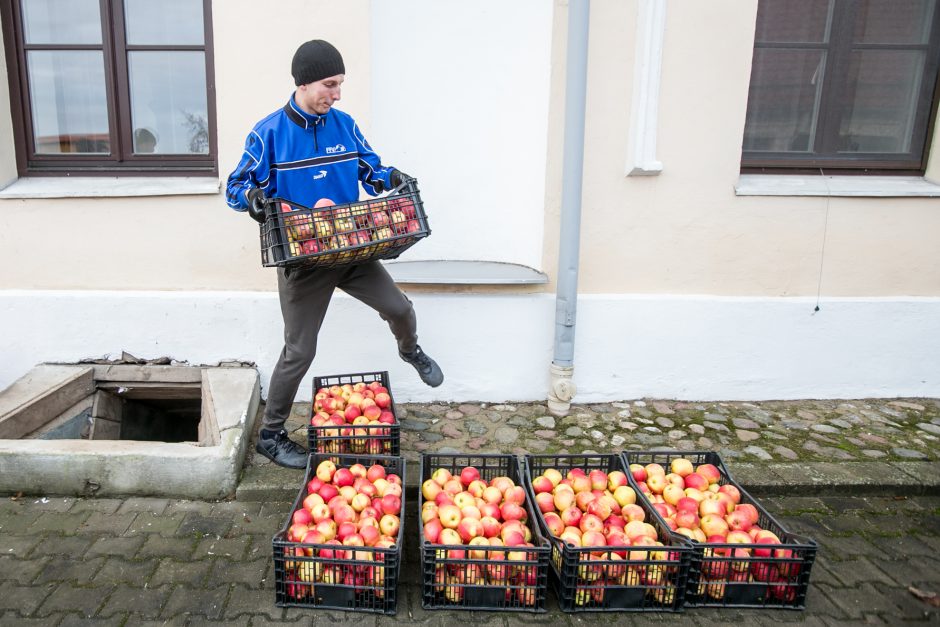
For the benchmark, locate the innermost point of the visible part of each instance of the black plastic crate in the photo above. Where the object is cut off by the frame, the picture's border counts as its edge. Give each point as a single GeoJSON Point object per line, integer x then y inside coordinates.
{"type": "Point", "coordinates": [336, 235]}
{"type": "Point", "coordinates": [498, 577]}
{"type": "Point", "coordinates": [362, 579]}
{"type": "Point", "coordinates": [367, 439]}
{"type": "Point", "coordinates": [750, 575]}
{"type": "Point", "coordinates": [613, 578]}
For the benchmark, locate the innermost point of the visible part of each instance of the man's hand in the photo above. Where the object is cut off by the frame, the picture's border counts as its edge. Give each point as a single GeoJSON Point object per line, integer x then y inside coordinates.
{"type": "Point", "coordinates": [397, 177]}
{"type": "Point", "coordinates": [256, 204]}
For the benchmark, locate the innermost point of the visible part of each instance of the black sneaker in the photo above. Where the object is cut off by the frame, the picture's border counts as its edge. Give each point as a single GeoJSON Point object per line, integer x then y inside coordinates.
{"type": "Point", "coordinates": [427, 368]}
{"type": "Point", "coordinates": [282, 450]}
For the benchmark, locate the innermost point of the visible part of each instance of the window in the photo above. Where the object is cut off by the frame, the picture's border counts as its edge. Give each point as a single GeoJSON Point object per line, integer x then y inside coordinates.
{"type": "Point", "coordinates": [114, 87]}
{"type": "Point", "coordinates": [843, 85]}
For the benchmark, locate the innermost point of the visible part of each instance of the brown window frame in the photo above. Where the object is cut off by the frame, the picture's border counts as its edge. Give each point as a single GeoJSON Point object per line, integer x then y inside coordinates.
{"type": "Point", "coordinates": [838, 50]}
{"type": "Point", "coordinates": [122, 161]}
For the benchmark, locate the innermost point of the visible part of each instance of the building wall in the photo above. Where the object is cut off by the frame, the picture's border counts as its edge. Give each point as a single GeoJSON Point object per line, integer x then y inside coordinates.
{"type": "Point", "coordinates": [687, 290]}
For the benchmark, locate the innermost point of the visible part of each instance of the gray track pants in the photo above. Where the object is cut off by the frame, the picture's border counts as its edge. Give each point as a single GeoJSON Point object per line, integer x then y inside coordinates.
{"type": "Point", "coordinates": [305, 296]}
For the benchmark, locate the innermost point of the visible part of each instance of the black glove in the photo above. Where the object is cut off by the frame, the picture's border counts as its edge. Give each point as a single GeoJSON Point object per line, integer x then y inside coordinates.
{"type": "Point", "coordinates": [256, 204]}
{"type": "Point", "coordinates": [397, 177]}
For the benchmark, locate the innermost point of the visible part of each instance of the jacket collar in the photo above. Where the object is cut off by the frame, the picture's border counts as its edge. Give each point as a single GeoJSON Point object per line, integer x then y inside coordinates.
{"type": "Point", "coordinates": [301, 118]}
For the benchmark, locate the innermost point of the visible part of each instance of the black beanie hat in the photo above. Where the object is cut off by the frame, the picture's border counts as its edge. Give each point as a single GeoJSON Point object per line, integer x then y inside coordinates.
{"type": "Point", "coordinates": [316, 60]}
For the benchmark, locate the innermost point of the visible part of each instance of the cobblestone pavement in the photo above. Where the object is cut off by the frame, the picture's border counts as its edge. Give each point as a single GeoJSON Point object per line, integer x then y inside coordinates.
{"type": "Point", "coordinates": [144, 561]}
{"type": "Point", "coordinates": [782, 431]}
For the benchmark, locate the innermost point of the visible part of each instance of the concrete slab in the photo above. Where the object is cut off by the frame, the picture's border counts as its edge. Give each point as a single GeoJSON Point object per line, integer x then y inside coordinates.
{"type": "Point", "coordinates": [207, 469]}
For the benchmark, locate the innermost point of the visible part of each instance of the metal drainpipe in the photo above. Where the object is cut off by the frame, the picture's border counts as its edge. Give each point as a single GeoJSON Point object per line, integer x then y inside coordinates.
{"type": "Point", "coordinates": [562, 388]}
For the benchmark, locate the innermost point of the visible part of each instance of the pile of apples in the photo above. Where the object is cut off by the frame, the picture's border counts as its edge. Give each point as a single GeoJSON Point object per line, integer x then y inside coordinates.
{"type": "Point", "coordinates": [356, 418]}
{"type": "Point", "coordinates": [344, 509]}
{"type": "Point", "coordinates": [692, 502]}
{"type": "Point", "coordinates": [310, 231]}
{"type": "Point", "coordinates": [479, 520]}
{"type": "Point", "coordinates": [597, 512]}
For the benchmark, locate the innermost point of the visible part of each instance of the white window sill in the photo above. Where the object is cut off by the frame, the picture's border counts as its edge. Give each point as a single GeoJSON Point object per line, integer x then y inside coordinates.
{"type": "Point", "coordinates": [104, 187]}
{"type": "Point", "coordinates": [464, 273]}
{"type": "Point", "coordinates": [859, 186]}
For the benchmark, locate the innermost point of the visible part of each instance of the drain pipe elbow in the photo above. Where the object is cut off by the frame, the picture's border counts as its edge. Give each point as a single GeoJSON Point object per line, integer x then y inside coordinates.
{"type": "Point", "coordinates": [562, 390]}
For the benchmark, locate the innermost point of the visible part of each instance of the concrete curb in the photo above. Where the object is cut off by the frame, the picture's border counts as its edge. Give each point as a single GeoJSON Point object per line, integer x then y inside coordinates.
{"type": "Point", "coordinates": [865, 478]}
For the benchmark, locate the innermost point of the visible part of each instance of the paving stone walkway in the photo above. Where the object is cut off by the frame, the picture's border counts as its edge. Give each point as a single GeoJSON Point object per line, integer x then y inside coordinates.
{"type": "Point", "coordinates": [861, 477]}
{"type": "Point", "coordinates": [140, 561]}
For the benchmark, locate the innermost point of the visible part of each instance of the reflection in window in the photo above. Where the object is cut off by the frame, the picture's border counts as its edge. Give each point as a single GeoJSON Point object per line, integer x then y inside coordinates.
{"type": "Point", "coordinates": [69, 101]}
{"type": "Point", "coordinates": [168, 95]}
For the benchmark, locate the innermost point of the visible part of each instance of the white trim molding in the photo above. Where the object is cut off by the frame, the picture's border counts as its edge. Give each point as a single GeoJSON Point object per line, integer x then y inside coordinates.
{"type": "Point", "coordinates": [109, 186]}
{"type": "Point", "coordinates": [647, 73]}
{"type": "Point", "coordinates": [850, 186]}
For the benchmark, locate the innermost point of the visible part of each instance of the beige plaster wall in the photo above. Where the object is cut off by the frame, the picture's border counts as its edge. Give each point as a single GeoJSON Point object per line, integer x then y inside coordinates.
{"type": "Point", "coordinates": [184, 242]}
{"type": "Point", "coordinates": [682, 232]}
{"type": "Point", "coordinates": [685, 231]}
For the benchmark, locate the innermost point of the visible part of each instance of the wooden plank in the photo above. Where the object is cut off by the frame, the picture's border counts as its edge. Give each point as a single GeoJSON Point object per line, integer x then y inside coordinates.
{"type": "Point", "coordinates": [104, 429]}
{"type": "Point", "coordinates": [54, 428]}
{"type": "Point", "coordinates": [42, 395]}
{"type": "Point", "coordinates": [108, 406]}
{"type": "Point", "coordinates": [147, 373]}
{"type": "Point", "coordinates": [106, 416]}
{"type": "Point", "coordinates": [152, 390]}
{"type": "Point", "coordinates": [208, 424]}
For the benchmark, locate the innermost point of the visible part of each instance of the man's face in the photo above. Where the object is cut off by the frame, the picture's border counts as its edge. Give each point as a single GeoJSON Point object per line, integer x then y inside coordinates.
{"type": "Point", "coordinates": [318, 97]}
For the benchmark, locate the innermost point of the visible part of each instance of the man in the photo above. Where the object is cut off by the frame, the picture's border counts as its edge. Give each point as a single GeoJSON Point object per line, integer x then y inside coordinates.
{"type": "Point", "coordinates": [304, 152]}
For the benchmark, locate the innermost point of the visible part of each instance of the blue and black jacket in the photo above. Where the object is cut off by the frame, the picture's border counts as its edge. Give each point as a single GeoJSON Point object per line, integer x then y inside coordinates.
{"type": "Point", "coordinates": [302, 158]}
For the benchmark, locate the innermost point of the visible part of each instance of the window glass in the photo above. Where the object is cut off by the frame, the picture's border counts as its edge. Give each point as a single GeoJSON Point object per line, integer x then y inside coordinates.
{"type": "Point", "coordinates": [880, 102]}
{"type": "Point", "coordinates": [61, 21]}
{"type": "Point", "coordinates": [69, 101]}
{"type": "Point", "coordinates": [791, 21]}
{"type": "Point", "coordinates": [168, 100]}
{"type": "Point", "coordinates": [177, 22]}
{"type": "Point", "coordinates": [783, 100]}
{"type": "Point", "coordinates": [893, 21]}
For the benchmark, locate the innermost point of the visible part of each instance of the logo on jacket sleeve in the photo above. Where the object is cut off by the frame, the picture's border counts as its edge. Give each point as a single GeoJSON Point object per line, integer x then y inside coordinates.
{"type": "Point", "coordinates": [330, 150]}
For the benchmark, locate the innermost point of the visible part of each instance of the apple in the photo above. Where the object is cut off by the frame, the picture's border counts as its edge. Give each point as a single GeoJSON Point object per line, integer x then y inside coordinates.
{"type": "Point", "coordinates": [389, 525]}
{"type": "Point", "coordinates": [696, 481]}
{"type": "Point", "coordinates": [598, 479]}
{"type": "Point", "coordinates": [545, 502]}
{"type": "Point", "coordinates": [432, 530]}
{"type": "Point", "coordinates": [430, 489]}
{"type": "Point", "coordinates": [633, 512]}
{"type": "Point", "coordinates": [672, 493]}
{"type": "Point", "coordinates": [360, 501]}
{"type": "Point", "coordinates": [710, 472]}
{"type": "Point", "coordinates": [491, 526]}
{"type": "Point", "coordinates": [491, 494]}
{"type": "Point", "coordinates": [681, 467]}
{"type": "Point", "coordinates": [449, 536]}
{"type": "Point", "coordinates": [320, 512]}
{"type": "Point", "coordinates": [391, 504]}
{"type": "Point", "coordinates": [563, 500]}
{"type": "Point", "coordinates": [469, 528]}
{"type": "Point", "coordinates": [714, 525]}
{"type": "Point", "coordinates": [542, 484]}
{"type": "Point", "coordinates": [463, 499]}
{"type": "Point", "coordinates": [688, 519]}
{"type": "Point", "coordinates": [554, 523]}
{"type": "Point", "coordinates": [468, 475]}
{"type": "Point", "coordinates": [553, 475]}
{"type": "Point", "coordinates": [593, 538]}
{"type": "Point", "coordinates": [656, 483]}
{"type": "Point", "coordinates": [512, 511]}
{"type": "Point", "coordinates": [325, 471]}
{"type": "Point", "coordinates": [449, 515]}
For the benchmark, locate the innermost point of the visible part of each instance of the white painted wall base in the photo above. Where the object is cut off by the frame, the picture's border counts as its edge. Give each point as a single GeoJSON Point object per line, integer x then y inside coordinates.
{"type": "Point", "coordinates": [498, 348]}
